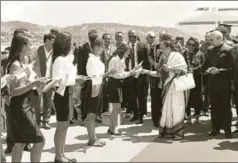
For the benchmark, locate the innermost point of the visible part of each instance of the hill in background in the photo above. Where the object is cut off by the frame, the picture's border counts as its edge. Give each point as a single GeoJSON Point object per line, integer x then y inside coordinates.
{"type": "Point", "coordinates": [80, 32]}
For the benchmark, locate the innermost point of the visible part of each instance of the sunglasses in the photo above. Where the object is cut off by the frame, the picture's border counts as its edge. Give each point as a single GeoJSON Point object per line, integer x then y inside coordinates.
{"type": "Point", "coordinates": [191, 45]}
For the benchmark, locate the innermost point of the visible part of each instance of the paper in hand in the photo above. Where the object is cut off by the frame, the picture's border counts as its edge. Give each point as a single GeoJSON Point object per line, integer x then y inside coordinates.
{"type": "Point", "coordinates": [4, 80]}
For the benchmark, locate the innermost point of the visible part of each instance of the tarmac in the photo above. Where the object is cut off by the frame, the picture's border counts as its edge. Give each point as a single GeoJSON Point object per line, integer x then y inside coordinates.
{"type": "Point", "coordinates": [140, 143]}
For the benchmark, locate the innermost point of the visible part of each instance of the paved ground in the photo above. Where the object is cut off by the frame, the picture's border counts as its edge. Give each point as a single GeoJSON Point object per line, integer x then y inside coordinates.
{"type": "Point", "coordinates": [140, 143]}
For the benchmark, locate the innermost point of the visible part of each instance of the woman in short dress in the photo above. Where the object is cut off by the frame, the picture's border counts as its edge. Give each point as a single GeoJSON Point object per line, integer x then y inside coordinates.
{"type": "Point", "coordinates": [114, 84]}
{"type": "Point", "coordinates": [93, 92]}
{"type": "Point", "coordinates": [64, 77]}
{"type": "Point", "coordinates": [24, 127]}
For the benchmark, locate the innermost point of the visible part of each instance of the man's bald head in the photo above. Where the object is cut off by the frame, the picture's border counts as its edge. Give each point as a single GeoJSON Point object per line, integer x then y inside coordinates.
{"type": "Point", "coordinates": [216, 38]}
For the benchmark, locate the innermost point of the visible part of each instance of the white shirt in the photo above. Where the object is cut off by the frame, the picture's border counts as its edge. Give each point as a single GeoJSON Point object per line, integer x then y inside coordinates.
{"type": "Point", "coordinates": [95, 69]}
{"type": "Point", "coordinates": [64, 69]}
{"type": "Point", "coordinates": [48, 55]}
{"type": "Point", "coordinates": [118, 64]}
{"type": "Point", "coordinates": [135, 53]}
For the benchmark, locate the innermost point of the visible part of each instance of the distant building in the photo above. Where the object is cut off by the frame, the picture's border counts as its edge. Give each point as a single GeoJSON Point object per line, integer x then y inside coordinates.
{"type": "Point", "coordinates": [207, 18]}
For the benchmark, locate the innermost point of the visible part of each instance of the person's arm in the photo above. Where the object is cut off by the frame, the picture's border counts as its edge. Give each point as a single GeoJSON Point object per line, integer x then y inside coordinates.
{"type": "Point", "coordinates": [151, 73]}
{"type": "Point", "coordinates": [56, 74]}
{"type": "Point", "coordinates": [15, 89]}
{"type": "Point", "coordinates": [113, 66]}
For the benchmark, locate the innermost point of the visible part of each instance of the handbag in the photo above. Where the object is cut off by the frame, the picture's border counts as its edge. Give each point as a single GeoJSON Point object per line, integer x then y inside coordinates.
{"type": "Point", "coordinates": [185, 82]}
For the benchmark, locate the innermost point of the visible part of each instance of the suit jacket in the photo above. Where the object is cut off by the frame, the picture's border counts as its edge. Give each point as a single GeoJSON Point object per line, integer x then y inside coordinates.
{"type": "Point", "coordinates": [220, 57]}
{"type": "Point", "coordinates": [141, 56]}
{"type": "Point", "coordinates": [40, 65]}
{"type": "Point", "coordinates": [105, 58]}
{"type": "Point", "coordinates": [77, 53]}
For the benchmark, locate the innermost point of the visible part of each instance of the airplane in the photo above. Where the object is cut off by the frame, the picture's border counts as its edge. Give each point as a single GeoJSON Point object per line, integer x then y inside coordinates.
{"type": "Point", "coordinates": [205, 19]}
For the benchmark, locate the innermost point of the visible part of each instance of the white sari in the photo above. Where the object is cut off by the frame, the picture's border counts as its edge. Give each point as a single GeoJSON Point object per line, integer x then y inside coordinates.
{"type": "Point", "coordinates": [173, 111]}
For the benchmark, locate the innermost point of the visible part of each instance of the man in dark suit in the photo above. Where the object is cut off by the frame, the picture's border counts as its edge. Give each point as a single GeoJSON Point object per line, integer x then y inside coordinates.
{"type": "Point", "coordinates": [137, 86]}
{"type": "Point", "coordinates": [219, 65]}
{"type": "Point", "coordinates": [43, 68]}
{"type": "Point", "coordinates": [82, 62]}
{"type": "Point", "coordinates": [155, 91]}
{"type": "Point", "coordinates": [235, 79]}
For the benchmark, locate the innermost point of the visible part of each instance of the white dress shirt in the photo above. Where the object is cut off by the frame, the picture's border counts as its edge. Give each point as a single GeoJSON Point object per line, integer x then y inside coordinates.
{"type": "Point", "coordinates": [118, 64]}
{"type": "Point", "coordinates": [48, 55]}
{"type": "Point", "coordinates": [95, 69]}
{"type": "Point", "coordinates": [64, 69]}
{"type": "Point", "coordinates": [135, 53]}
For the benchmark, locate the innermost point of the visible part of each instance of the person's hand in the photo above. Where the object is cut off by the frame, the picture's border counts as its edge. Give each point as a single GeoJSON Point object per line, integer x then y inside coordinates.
{"type": "Point", "coordinates": [10, 79]}
{"type": "Point", "coordinates": [214, 71]}
{"type": "Point", "coordinates": [144, 71]}
{"type": "Point", "coordinates": [40, 82]}
{"type": "Point", "coordinates": [112, 72]}
{"type": "Point", "coordinates": [132, 72]}
{"type": "Point", "coordinates": [165, 67]}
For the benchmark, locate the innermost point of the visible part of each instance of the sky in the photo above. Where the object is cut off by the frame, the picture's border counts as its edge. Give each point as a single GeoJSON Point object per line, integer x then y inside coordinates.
{"type": "Point", "coordinates": [69, 13]}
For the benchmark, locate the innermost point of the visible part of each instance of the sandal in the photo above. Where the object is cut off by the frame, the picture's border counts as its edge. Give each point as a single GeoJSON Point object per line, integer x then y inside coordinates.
{"type": "Point", "coordinates": [95, 144]}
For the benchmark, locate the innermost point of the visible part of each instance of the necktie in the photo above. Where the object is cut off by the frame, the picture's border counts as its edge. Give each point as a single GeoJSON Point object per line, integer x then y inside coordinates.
{"type": "Point", "coordinates": [133, 57]}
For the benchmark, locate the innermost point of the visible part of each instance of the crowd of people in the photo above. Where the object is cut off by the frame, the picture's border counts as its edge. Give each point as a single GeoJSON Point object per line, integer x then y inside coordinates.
{"type": "Point", "coordinates": [100, 77]}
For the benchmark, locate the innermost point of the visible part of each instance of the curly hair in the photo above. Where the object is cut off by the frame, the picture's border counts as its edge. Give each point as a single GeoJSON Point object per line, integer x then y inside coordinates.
{"type": "Point", "coordinates": [196, 43]}
{"type": "Point", "coordinates": [121, 49]}
{"type": "Point", "coordinates": [62, 45]}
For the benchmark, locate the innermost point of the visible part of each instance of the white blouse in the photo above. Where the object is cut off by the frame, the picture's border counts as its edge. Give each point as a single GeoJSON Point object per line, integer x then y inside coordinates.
{"type": "Point", "coordinates": [118, 64]}
{"type": "Point", "coordinates": [95, 69]}
{"type": "Point", "coordinates": [64, 69]}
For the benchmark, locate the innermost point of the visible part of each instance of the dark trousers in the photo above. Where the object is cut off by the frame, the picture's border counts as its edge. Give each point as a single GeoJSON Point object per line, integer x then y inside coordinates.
{"type": "Point", "coordinates": [105, 102]}
{"type": "Point", "coordinates": [3, 156]}
{"type": "Point", "coordinates": [130, 95]}
{"type": "Point", "coordinates": [46, 107]}
{"type": "Point", "coordinates": [206, 100]}
{"type": "Point", "coordinates": [156, 103]}
{"type": "Point", "coordinates": [236, 93]}
{"type": "Point", "coordinates": [221, 114]}
{"type": "Point", "coordinates": [195, 98]}
{"type": "Point", "coordinates": [83, 98]}
{"type": "Point", "coordinates": [9, 140]}
{"type": "Point", "coordinates": [142, 86]}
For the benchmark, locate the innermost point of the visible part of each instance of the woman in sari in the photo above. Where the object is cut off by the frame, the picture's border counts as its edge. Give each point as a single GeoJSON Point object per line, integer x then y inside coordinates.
{"type": "Point", "coordinates": [172, 65]}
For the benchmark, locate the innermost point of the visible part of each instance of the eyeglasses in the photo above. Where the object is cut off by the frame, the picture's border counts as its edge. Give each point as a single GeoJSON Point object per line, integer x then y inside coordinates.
{"type": "Point", "coordinates": [190, 44]}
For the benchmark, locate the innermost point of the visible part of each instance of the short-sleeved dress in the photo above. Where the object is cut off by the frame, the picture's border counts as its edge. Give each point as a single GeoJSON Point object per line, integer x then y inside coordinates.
{"type": "Point", "coordinates": [24, 126]}
{"type": "Point", "coordinates": [62, 67]}
{"type": "Point", "coordinates": [95, 69]}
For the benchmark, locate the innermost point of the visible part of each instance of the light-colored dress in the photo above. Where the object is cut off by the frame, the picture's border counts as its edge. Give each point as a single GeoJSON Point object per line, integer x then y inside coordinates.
{"type": "Point", "coordinates": [173, 111]}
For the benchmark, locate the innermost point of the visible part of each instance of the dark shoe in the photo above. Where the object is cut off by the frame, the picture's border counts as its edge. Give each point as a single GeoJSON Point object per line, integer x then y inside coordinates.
{"type": "Point", "coordinates": [140, 122]}
{"type": "Point", "coordinates": [156, 125]}
{"type": "Point", "coordinates": [46, 126]}
{"type": "Point", "coordinates": [228, 135]}
{"type": "Point", "coordinates": [134, 118]}
{"type": "Point", "coordinates": [28, 147]}
{"type": "Point", "coordinates": [59, 161]}
{"type": "Point", "coordinates": [8, 151]}
{"type": "Point", "coordinates": [214, 133]}
{"type": "Point", "coordinates": [98, 120]}
{"type": "Point", "coordinates": [160, 136]}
